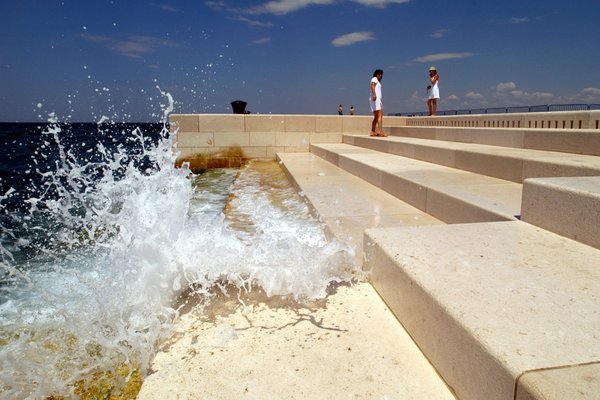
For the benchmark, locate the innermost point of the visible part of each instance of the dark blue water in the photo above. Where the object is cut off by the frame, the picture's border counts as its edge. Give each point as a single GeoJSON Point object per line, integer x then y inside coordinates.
{"type": "Point", "coordinates": [29, 148]}
{"type": "Point", "coordinates": [31, 157]}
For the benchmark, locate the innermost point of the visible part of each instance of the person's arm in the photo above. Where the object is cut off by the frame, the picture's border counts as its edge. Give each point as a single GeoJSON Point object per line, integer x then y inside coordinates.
{"type": "Point", "coordinates": [434, 79]}
{"type": "Point", "coordinates": [373, 91]}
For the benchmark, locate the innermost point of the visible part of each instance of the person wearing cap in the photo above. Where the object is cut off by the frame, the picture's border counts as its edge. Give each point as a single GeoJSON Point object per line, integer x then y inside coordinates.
{"type": "Point", "coordinates": [433, 91]}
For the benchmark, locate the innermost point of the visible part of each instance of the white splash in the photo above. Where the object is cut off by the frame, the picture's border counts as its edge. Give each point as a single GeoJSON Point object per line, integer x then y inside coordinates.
{"type": "Point", "coordinates": [118, 243]}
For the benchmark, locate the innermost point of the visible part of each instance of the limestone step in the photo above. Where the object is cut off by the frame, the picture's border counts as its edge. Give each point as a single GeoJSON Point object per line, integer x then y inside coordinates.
{"type": "Point", "coordinates": [349, 205]}
{"type": "Point", "coordinates": [578, 141]}
{"type": "Point", "coordinates": [513, 164]}
{"type": "Point", "coordinates": [567, 206]}
{"type": "Point", "coordinates": [346, 203]}
{"type": "Point", "coordinates": [503, 310]}
{"type": "Point", "coordinates": [451, 195]}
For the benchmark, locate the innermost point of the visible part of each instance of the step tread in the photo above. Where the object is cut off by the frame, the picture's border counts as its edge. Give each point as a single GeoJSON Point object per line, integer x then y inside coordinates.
{"type": "Point", "coordinates": [501, 196]}
{"type": "Point", "coordinates": [509, 298]}
{"type": "Point", "coordinates": [348, 204]}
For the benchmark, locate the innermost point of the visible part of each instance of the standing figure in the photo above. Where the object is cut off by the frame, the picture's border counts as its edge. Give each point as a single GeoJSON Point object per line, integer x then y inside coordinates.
{"type": "Point", "coordinates": [375, 101]}
{"type": "Point", "coordinates": [433, 91]}
{"type": "Point", "coordinates": [340, 110]}
{"type": "Point", "coordinates": [351, 110]}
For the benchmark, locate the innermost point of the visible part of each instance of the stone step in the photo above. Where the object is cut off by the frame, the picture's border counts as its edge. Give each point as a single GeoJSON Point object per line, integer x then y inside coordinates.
{"type": "Point", "coordinates": [451, 195]}
{"type": "Point", "coordinates": [513, 164]}
{"type": "Point", "coordinates": [567, 206]}
{"type": "Point", "coordinates": [578, 141]}
{"type": "Point", "coordinates": [503, 310]}
{"type": "Point", "coordinates": [346, 203]}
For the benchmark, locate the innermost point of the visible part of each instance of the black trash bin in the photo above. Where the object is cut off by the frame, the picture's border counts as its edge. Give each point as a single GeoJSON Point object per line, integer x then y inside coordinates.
{"type": "Point", "coordinates": [239, 106]}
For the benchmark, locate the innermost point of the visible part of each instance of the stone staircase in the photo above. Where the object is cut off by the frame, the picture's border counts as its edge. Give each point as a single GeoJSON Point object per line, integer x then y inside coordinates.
{"type": "Point", "coordinates": [491, 257]}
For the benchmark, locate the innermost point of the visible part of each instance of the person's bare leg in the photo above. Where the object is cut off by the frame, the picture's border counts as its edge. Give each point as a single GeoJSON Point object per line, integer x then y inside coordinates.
{"type": "Point", "coordinates": [374, 124]}
{"type": "Point", "coordinates": [380, 122]}
{"type": "Point", "coordinates": [429, 106]}
{"type": "Point", "coordinates": [434, 106]}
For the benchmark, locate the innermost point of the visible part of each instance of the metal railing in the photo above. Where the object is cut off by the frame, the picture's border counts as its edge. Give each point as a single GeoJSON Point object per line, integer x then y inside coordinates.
{"type": "Point", "coordinates": [508, 110]}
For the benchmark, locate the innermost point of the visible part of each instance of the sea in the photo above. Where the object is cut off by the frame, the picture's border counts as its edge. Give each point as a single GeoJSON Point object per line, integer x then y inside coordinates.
{"type": "Point", "coordinates": [103, 241]}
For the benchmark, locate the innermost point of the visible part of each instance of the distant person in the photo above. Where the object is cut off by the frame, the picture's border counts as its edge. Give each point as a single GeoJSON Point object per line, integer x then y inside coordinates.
{"type": "Point", "coordinates": [340, 110]}
{"type": "Point", "coordinates": [433, 91]}
{"type": "Point", "coordinates": [375, 101]}
{"type": "Point", "coordinates": [351, 110]}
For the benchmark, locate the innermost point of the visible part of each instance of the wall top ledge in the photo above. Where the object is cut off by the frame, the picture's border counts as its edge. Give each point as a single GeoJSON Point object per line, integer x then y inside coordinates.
{"type": "Point", "coordinates": [269, 115]}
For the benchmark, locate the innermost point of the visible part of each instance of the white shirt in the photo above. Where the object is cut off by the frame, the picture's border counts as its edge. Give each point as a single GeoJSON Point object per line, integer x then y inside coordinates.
{"type": "Point", "coordinates": [377, 88]}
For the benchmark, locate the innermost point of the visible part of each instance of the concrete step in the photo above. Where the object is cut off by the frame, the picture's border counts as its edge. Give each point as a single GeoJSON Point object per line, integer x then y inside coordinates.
{"type": "Point", "coordinates": [513, 164]}
{"type": "Point", "coordinates": [451, 195]}
{"type": "Point", "coordinates": [578, 141]}
{"type": "Point", "coordinates": [503, 310]}
{"type": "Point", "coordinates": [346, 203]}
{"type": "Point", "coordinates": [567, 206]}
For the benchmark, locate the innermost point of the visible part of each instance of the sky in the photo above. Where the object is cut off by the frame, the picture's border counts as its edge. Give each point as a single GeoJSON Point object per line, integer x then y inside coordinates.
{"type": "Point", "coordinates": [88, 60]}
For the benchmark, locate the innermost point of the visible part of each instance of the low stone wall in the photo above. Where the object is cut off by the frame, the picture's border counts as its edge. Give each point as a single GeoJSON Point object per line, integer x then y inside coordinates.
{"type": "Point", "coordinates": [202, 137]}
{"type": "Point", "coordinates": [262, 136]}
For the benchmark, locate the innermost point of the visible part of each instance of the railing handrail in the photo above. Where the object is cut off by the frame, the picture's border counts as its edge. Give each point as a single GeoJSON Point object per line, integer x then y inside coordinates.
{"type": "Point", "coordinates": [508, 110]}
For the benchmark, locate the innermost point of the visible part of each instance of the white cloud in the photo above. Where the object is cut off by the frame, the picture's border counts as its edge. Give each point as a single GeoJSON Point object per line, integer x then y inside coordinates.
{"type": "Point", "coordinates": [218, 5]}
{"type": "Point", "coordinates": [164, 7]}
{"type": "Point", "coordinates": [521, 94]}
{"type": "Point", "coordinates": [352, 38]}
{"type": "Point", "coordinates": [453, 97]}
{"type": "Point", "coordinates": [441, 56]}
{"type": "Point", "coordinates": [519, 20]}
{"type": "Point", "coordinates": [440, 33]}
{"type": "Point", "coordinates": [134, 46]}
{"type": "Point", "coordinates": [591, 91]}
{"type": "Point", "coordinates": [586, 95]}
{"type": "Point", "coordinates": [252, 22]}
{"type": "Point", "coordinates": [416, 98]}
{"type": "Point", "coordinates": [474, 95]}
{"type": "Point", "coordinates": [379, 3]}
{"type": "Point", "coordinates": [542, 95]}
{"type": "Point", "coordinates": [505, 86]}
{"type": "Point", "coordinates": [505, 89]}
{"type": "Point", "coordinates": [168, 7]}
{"type": "Point", "coordinates": [262, 40]}
{"type": "Point", "coordinates": [283, 7]}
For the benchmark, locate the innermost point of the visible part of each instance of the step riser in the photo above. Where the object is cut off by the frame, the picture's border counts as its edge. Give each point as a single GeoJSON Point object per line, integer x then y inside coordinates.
{"type": "Point", "coordinates": [502, 167]}
{"type": "Point", "coordinates": [567, 206]}
{"type": "Point", "coordinates": [459, 358]}
{"type": "Point", "coordinates": [506, 168]}
{"type": "Point", "coordinates": [440, 205]}
{"type": "Point", "coordinates": [491, 303]}
{"type": "Point", "coordinates": [567, 141]}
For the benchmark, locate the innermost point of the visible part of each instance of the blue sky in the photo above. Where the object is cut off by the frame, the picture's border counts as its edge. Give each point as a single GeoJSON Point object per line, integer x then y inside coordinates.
{"type": "Point", "coordinates": [85, 59]}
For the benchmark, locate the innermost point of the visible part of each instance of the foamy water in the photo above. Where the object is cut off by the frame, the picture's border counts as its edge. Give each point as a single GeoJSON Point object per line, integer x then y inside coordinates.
{"type": "Point", "coordinates": [115, 243]}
